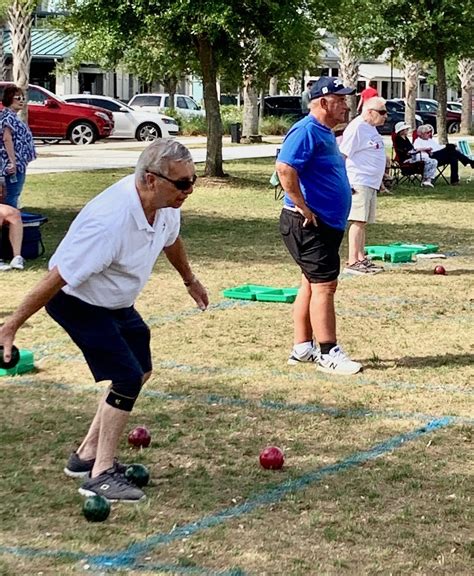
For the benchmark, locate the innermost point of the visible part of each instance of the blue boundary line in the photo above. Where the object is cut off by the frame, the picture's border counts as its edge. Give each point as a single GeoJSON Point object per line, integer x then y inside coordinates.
{"type": "Point", "coordinates": [212, 399]}
{"type": "Point", "coordinates": [130, 556]}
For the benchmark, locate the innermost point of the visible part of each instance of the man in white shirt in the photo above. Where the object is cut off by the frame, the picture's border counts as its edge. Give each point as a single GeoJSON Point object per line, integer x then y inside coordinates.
{"type": "Point", "coordinates": [363, 147]}
{"type": "Point", "coordinates": [94, 278]}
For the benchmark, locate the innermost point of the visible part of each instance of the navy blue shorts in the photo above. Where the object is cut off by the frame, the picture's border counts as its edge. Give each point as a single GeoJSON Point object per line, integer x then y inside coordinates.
{"type": "Point", "coordinates": [314, 248]}
{"type": "Point", "coordinates": [115, 343]}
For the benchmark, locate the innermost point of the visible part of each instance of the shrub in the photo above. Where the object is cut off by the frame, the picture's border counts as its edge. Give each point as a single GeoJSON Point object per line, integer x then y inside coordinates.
{"type": "Point", "coordinates": [276, 125]}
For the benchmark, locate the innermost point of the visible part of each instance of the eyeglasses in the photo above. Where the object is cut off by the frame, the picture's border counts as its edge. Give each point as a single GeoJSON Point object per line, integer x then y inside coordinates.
{"type": "Point", "coordinates": [381, 112]}
{"type": "Point", "coordinates": [19, 98]}
{"type": "Point", "coordinates": [183, 184]}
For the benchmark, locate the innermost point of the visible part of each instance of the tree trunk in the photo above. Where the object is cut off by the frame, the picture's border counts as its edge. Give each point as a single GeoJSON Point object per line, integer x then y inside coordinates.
{"type": "Point", "coordinates": [349, 66]}
{"type": "Point", "coordinates": [261, 109]}
{"type": "Point", "coordinates": [412, 71]}
{"type": "Point", "coordinates": [2, 53]}
{"type": "Point", "coordinates": [170, 83]}
{"type": "Point", "coordinates": [466, 76]}
{"type": "Point", "coordinates": [20, 16]}
{"type": "Point", "coordinates": [273, 86]}
{"type": "Point", "coordinates": [442, 96]}
{"type": "Point", "coordinates": [250, 117]}
{"type": "Point", "coordinates": [211, 105]}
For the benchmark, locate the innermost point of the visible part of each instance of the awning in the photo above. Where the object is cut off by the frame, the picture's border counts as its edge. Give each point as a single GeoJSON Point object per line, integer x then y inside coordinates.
{"type": "Point", "coordinates": [45, 44]}
{"type": "Point", "coordinates": [380, 71]}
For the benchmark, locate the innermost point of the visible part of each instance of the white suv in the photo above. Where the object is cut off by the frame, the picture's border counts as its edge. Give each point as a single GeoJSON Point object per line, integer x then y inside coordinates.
{"type": "Point", "coordinates": [158, 102]}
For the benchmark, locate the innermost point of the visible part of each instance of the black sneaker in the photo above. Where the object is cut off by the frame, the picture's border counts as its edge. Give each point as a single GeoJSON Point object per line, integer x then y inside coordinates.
{"type": "Point", "coordinates": [113, 486]}
{"type": "Point", "coordinates": [77, 468]}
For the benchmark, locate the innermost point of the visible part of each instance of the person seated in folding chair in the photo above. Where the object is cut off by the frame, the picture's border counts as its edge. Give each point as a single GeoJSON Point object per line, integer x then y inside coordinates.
{"type": "Point", "coordinates": [12, 217]}
{"type": "Point", "coordinates": [448, 154]}
{"type": "Point", "coordinates": [406, 153]}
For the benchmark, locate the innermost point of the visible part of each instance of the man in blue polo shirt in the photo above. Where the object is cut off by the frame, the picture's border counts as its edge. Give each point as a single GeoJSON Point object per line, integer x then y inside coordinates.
{"type": "Point", "coordinates": [312, 223]}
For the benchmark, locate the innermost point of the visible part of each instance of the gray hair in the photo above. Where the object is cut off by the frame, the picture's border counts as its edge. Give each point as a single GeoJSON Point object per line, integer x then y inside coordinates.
{"type": "Point", "coordinates": [424, 129]}
{"type": "Point", "coordinates": [158, 155]}
{"type": "Point", "coordinates": [375, 103]}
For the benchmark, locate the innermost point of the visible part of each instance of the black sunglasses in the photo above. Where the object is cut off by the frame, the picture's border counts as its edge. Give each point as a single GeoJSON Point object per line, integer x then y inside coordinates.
{"type": "Point", "coordinates": [381, 112]}
{"type": "Point", "coordinates": [183, 184]}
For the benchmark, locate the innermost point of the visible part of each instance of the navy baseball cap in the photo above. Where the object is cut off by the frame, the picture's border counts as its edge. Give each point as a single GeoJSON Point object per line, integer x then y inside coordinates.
{"type": "Point", "coordinates": [329, 85]}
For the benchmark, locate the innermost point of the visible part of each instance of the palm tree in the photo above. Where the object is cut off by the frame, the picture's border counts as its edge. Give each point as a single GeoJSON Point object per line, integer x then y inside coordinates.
{"type": "Point", "coordinates": [466, 76]}
{"type": "Point", "coordinates": [412, 71]}
{"type": "Point", "coordinates": [349, 66]}
{"type": "Point", "coordinates": [20, 19]}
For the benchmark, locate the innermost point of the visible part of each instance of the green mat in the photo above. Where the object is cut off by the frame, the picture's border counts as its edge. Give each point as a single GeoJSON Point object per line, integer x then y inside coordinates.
{"type": "Point", "coordinates": [261, 293]}
{"type": "Point", "coordinates": [25, 364]}
{"type": "Point", "coordinates": [398, 251]}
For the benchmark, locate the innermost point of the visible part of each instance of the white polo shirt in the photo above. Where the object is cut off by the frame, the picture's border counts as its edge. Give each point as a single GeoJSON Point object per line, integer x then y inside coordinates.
{"type": "Point", "coordinates": [110, 249]}
{"type": "Point", "coordinates": [364, 148]}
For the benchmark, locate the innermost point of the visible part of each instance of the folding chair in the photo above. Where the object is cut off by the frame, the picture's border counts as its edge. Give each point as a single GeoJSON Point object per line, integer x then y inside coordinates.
{"type": "Point", "coordinates": [465, 149]}
{"type": "Point", "coordinates": [411, 172]}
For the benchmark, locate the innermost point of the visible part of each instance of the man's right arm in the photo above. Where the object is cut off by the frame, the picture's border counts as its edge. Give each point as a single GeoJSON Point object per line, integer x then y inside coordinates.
{"type": "Point", "coordinates": [291, 185]}
{"type": "Point", "coordinates": [39, 296]}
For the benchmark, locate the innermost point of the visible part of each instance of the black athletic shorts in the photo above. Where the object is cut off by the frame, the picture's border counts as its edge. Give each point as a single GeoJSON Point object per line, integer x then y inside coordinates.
{"type": "Point", "coordinates": [314, 248]}
{"type": "Point", "coordinates": [115, 343]}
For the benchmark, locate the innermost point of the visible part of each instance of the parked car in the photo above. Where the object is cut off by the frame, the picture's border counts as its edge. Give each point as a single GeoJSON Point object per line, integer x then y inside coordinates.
{"type": "Point", "coordinates": [130, 123]}
{"type": "Point", "coordinates": [396, 113]}
{"type": "Point", "coordinates": [159, 102]}
{"type": "Point", "coordinates": [282, 106]}
{"type": "Point", "coordinates": [51, 118]}
{"type": "Point", "coordinates": [454, 106]}
{"type": "Point", "coordinates": [427, 108]}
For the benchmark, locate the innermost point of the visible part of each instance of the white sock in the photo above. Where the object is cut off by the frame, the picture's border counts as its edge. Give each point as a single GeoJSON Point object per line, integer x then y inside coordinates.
{"type": "Point", "coordinates": [302, 348]}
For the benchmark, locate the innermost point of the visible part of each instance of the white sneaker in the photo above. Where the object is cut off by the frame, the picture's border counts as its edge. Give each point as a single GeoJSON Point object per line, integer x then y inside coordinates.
{"type": "Point", "coordinates": [4, 267]}
{"type": "Point", "coordinates": [427, 183]}
{"type": "Point", "coordinates": [18, 263]}
{"type": "Point", "coordinates": [337, 362]}
{"type": "Point", "coordinates": [311, 355]}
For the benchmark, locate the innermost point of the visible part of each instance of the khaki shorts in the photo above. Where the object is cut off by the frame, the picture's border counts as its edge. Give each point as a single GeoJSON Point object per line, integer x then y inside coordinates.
{"type": "Point", "coordinates": [364, 202]}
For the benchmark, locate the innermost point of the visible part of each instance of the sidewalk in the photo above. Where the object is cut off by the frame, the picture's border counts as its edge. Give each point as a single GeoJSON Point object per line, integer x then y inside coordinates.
{"type": "Point", "coordinates": [108, 154]}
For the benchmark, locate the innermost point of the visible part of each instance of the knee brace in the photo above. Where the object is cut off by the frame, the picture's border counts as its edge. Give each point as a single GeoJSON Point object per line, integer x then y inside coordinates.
{"type": "Point", "coordinates": [123, 395]}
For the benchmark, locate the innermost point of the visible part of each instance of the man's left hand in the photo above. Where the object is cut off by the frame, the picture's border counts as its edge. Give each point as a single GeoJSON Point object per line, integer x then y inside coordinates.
{"type": "Point", "coordinates": [198, 293]}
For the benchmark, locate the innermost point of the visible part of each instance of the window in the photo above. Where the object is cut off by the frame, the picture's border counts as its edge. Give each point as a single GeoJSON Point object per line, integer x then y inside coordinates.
{"type": "Point", "coordinates": [146, 100]}
{"type": "Point", "coordinates": [107, 104]}
{"type": "Point", "coordinates": [78, 100]}
{"type": "Point", "coordinates": [191, 104]}
{"type": "Point", "coordinates": [181, 102]}
{"type": "Point", "coordinates": [35, 96]}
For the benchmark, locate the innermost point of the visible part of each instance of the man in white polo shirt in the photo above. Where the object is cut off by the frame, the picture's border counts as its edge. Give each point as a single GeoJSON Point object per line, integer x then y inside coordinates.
{"type": "Point", "coordinates": [94, 278]}
{"type": "Point", "coordinates": [365, 164]}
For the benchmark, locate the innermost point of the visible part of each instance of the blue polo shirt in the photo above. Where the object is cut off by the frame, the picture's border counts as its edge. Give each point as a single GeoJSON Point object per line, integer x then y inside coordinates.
{"type": "Point", "coordinates": [311, 149]}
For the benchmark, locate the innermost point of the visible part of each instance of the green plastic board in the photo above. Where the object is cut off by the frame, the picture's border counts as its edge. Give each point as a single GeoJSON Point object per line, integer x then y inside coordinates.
{"type": "Point", "coordinates": [390, 253]}
{"type": "Point", "coordinates": [261, 293]}
{"type": "Point", "coordinates": [399, 252]}
{"type": "Point", "coordinates": [287, 295]}
{"type": "Point", "coordinates": [25, 364]}
{"type": "Point", "coordinates": [246, 291]}
{"type": "Point", "coordinates": [418, 248]}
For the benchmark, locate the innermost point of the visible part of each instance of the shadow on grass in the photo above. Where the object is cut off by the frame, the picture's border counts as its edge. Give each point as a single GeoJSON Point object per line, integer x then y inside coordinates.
{"type": "Point", "coordinates": [421, 361]}
{"type": "Point", "coordinates": [449, 272]}
{"type": "Point", "coordinates": [243, 240]}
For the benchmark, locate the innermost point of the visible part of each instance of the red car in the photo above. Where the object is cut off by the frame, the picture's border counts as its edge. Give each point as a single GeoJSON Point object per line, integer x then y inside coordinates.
{"type": "Point", "coordinates": [50, 118]}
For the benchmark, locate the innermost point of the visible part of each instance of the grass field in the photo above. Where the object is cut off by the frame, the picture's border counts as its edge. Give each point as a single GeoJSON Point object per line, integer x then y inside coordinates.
{"type": "Point", "coordinates": [378, 477]}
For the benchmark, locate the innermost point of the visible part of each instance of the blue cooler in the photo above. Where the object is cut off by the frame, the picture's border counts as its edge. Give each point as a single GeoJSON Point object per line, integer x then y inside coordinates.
{"type": "Point", "coordinates": [32, 246]}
